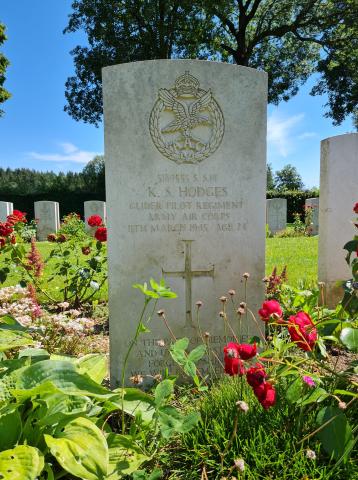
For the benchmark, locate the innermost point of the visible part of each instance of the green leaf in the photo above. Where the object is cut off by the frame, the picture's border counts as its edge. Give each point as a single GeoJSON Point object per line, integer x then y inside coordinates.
{"type": "Point", "coordinates": [21, 463]}
{"type": "Point", "coordinates": [171, 421]}
{"type": "Point", "coordinates": [11, 339]}
{"type": "Point", "coordinates": [59, 407]}
{"type": "Point", "coordinates": [294, 391]}
{"type": "Point", "coordinates": [125, 456]}
{"type": "Point", "coordinates": [8, 322]}
{"type": "Point", "coordinates": [143, 475]}
{"type": "Point", "coordinates": [94, 365]}
{"type": "Point", "coordinates": [190, 368]}
{"type": "Point", "coordinates": [81, 449]}
{"type": "Point", "coordinates": [10, 427]}
{"type": "Point", "coordinates": [349, 338]}
{"type": "Point", "coordinates": [197, 354]}
{"type": "Point", "coordinates": [336, 436]}
{"type": "Point", "coordinates": [163, 391]}
{"type": "Point", "coordinates": [317, 395]}
{"type": "Point", "coordinates": [3, 274]}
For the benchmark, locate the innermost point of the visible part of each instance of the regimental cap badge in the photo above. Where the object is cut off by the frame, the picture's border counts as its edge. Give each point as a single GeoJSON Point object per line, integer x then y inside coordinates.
{"type": "Point", "coordinates": [186, 123]}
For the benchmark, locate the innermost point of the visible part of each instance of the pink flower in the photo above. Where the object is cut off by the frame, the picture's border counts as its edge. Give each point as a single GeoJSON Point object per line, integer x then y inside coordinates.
{"type": "Point", "coordinates": [302, 331]}
{"type": "Point", "coordinates": [269, 310]}
{"type": "Point", "coordinates": [309, 381]}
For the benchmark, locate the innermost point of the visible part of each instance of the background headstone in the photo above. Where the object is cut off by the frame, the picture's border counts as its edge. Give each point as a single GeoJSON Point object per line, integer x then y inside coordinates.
{"type": "Point", "coordinates": [94, 207]}
{"type": "Point", "coordinates": [314, 204]}
{"type": "Point", "coordinates": [338, 194]}
{"type": "Point", "coordinates": [186, 202]}
{"type": "Point", "coordinates": [276, 214]}
{"type": "Point", "coordinates": [6, 208]}
{"type": "Point", "coordinates": [47, 215]}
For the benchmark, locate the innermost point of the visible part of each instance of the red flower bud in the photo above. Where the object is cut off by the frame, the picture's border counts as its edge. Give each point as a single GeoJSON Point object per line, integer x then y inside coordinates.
{"type": "Point", "coordinates": [270, 308]}
{"type": "Point", "coordinates": [302, 331]}
{"type": "Point", "coordinates": [233, 364]}
{"type": "Point", "coordinates": [247, 351]}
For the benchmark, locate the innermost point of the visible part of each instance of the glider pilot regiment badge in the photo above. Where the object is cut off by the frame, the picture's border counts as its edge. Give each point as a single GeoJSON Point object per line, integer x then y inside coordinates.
{"type": "Point", "coordinates": [186, 123]}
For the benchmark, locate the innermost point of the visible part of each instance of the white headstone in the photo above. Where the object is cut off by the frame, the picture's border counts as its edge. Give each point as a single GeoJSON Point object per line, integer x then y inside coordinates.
{"type": "Point", "coordinates": [185, 200]}
{"type": "Point", "coordinates": [314, 204]}
{"type": "Point", "coordinates": [6, 208]}
{"type": "Point", "coordinates": [338, 194]}
{"type": "Point", "coordinates": [94, 207]}
{"type": "Point", "coordinates": [276, 214]}
{"type": "Point", "coordinates": [47, 216]}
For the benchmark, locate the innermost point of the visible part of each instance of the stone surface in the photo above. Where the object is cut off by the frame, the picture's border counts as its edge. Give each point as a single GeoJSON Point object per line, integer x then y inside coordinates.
{"type": "Point", "coordinates": [338, 194]}
{"type": "Point", "coordinates": [314, 204]}
{"type": "Point", "coordinates": [185, 201]}
{"type": "Point", "coordinates": [94, 207]}
{"type": "Point", "coordinates": [6, 208]}
{"type": "Point", "coordinates": [276, 214]}
{"type": "Point", "coordinates": [47, 215]}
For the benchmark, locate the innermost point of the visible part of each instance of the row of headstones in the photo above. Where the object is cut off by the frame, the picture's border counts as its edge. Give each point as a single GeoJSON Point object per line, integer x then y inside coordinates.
{"type": "Point", "coordinates": [276, 214]}
{"type": "Point", "coordinates": [47, 215]}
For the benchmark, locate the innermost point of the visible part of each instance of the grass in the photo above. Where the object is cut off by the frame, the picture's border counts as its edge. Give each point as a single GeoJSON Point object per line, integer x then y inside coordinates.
{"type": "Point", "coordinates": [299, 254]}
{"type": "Point", "coordinates": [268, 441]}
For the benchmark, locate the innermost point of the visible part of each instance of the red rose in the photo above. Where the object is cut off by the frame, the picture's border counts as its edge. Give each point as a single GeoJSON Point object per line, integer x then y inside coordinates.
{"type": "Point", "coordinates": [86, 250]}
{"type": "Point", "coordinates": [13, 239]}
{"type": "Point", "coordinates": [233, 364]}
{"type": "Point", "coordinates": [5, 229]}
{"type": "Point", "coordinates": [16, 217]}
{"type": "Point", "coordinates": [355, 208]}
{"type": "Point", "coordinates": [101, 234]}
{"type": "Point", "coordinates": [247, 351]}
{"type": "Point", "coordinates": [266, 394]}
{"type": "Point", "coordinates": [94, 221]}
{"type": "Point", "coordinates": [61, 238]}
{"type": "Point", "coordinates": [256, 375]}
{"type": "Point", "coordinates": [2, 242]}
{"type": "Point", "coordinates": [269, 308]}
{"type": "Point", "coordinates": [302, 331]}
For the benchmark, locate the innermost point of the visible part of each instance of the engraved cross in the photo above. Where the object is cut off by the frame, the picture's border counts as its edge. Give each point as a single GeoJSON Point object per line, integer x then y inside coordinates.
{"type": "Point", "coordinates": [188, 274]}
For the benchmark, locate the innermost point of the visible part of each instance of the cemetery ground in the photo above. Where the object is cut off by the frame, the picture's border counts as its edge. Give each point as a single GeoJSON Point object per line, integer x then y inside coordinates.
{"type": "Point", "coordinates": [286, 408]}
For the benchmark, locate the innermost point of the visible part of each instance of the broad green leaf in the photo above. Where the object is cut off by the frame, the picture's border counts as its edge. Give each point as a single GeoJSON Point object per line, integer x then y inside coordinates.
{"type": "Point", "coordinates": [135, 401]}
{"type": "Point", "coordinates": [197, 354]}
{"type": "Point", "coordinates": [336, 436]}
{"type": "Point", "coordinates": [162, 392]}
{"type": "Point", "coordinates": [190, 368]}
{"type": "Point", "coordinates": [317, 395]}
{"type": "Point", "coordinates": [143, 475]}
{"type": "Point", "coordinates": [171, 421]}
{"type": "Point", "coordinates": [95, 365]}
{"type": "Point", "coordinates": [294, 391]}
{"type": "Point", "coordinates": [125, 457]}
{"type": "Point", "coordinates": [349, 338]}
{"type": "Point", "coordinates": [11, 339]}
{"type": "Point", "coordinates": [51, 376]}
{"type": "Point", "coordinates": [59, 406]}
{"type": "Point", "coordinates": [81, 449]}
{"type": "Point", "coordinates": [10, 427]}
{"type": "Point", "coordinates": [8, 322]}
{"type": "Point", "coordinates": [21, 463]}
{"type": "Point", "coordinates": [37, 354]}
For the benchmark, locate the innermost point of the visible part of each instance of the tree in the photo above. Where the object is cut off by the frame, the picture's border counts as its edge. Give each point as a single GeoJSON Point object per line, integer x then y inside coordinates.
{"type": "Point", "coordinates": [270, 180]}
{"type": "Point", "coordinates": [289, 39]}
{"type": "Point", "coordinates": [288, 179]}
{"type": "Point", "coordinates": [94, 175]}
{"type": "Point", "coordinates": [126, 31]}
{"type": "Point", "coordinates": [4, 62]}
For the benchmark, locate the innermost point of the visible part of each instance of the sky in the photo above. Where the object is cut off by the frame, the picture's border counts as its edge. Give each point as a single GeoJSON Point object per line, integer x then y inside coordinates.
{"type": "Point", "coordinates": [35, 132]}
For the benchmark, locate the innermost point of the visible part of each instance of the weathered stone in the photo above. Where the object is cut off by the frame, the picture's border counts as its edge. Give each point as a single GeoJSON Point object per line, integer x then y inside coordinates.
{"type": "Point", "coordinates": [94, 207]}
{"type": "Point", "coordinates": [47, 216]}
{"type": "Point", "coordinates": [6, 208]}
{"type": "Point", "coordinates": [313, 203]}
{"type": "Point", "coordinates": [185, 146]}
{"type": "Point", "coordinates": [276, 214]}
{"type": "Point", "coordinates": [338, 194]}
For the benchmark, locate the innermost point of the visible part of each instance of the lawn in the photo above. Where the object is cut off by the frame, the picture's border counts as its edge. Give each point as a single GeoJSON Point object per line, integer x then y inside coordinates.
{"type": "Point", "coordinates": [299, 254]}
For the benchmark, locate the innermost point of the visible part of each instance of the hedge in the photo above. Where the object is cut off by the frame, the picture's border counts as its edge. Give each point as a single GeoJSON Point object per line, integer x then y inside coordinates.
{"type": "Point", "coordinates": [69, 201]}
{"type": "Point", "coordinates": [295, 200]}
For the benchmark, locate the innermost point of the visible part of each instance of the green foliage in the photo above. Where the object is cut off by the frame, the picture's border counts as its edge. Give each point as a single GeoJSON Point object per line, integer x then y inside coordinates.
{"type": "Point", "coordinates": [288, 179]}
{"type": "Point", "coordinates": [94, 174]}
{"type": "Point", "coordinates": [73, 228]}
{"type": "Point", "coordinates": [295, 201]}
{"type": "Point", "coordinates": [4, 63]}
{"type": "Point", "coordinates": [54, 417]}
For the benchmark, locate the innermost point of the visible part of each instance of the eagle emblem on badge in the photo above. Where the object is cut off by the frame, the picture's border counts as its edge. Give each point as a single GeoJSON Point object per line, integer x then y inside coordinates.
{"type": "Point", "coordinates": [186, 123]}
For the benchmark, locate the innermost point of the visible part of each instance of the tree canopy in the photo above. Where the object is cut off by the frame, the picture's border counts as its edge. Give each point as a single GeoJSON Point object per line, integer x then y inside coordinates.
{"type": "Point", "coordinates": [289, 39]}
{"type": "Point", "coordinates": [288, 178]}
{"type": "Point", "coordinates": [4, 62]}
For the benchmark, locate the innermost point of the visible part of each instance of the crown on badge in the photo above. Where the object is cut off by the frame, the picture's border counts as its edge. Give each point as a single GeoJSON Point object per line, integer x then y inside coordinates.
{"type": "Point", "coordinates": [186, 83]}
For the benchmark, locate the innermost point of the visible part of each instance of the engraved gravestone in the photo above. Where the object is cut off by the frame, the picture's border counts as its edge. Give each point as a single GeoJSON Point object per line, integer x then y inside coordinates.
{"type": "Point", "coordinates": [6, 208]}
{"type": "Point", "coordinates": [338, 195]}
{"type": "Point", "coordinates": [276, 214]}
{"type": "Point", "coordinates": [313, 204]}
{"type": "Point", "coordinates": [47, 216]}
{"type": "Point", "coordinates": [185, 146]}
{"type": "Point", "coordinates": [94, 207]}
